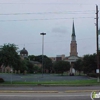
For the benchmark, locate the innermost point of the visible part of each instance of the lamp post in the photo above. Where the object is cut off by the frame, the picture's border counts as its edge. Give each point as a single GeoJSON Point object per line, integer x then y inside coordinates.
{"type": "Point", "coordinates": [42, 51]}
{"type": "Point", "coordinates": [11, 74]}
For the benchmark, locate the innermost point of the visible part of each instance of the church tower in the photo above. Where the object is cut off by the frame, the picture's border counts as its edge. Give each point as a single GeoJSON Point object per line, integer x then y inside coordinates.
{"type": "Point", "coordinates": [73, 45]}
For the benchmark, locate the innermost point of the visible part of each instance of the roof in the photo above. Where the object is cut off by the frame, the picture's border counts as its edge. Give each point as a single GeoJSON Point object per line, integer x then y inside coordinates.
{"type": "Point", "coordinates": [23, 51]}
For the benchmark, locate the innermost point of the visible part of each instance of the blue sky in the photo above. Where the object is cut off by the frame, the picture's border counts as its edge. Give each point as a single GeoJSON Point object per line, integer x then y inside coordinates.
{"type": "Point", "coordinates": [22, 21]}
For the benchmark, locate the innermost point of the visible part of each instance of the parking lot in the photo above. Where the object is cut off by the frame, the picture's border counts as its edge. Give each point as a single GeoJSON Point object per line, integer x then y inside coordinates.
{"type": "Point", "coordinates": [39, 77]}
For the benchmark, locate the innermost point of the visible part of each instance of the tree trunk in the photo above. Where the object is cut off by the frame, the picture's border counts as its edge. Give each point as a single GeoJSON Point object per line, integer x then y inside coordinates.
{"type": "Point", "coordinates": [79, 73]}
{"type": "Point", "coordinates": [62, 74]}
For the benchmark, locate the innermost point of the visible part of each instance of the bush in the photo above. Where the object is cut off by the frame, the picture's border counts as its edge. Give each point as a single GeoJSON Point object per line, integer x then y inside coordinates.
{"type": "Point", "coordinates": [93, 75]}
{"type": "Point", "coordinates": [71, 74]}
{"type": "Point", "coordinates": [1, 80]}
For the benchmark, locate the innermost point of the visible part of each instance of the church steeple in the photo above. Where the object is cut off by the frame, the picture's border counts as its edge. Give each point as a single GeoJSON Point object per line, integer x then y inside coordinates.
{"type": "Point", "coordinates": [73, 32]}
{"type": "Point", "coordinates": [73, 45]}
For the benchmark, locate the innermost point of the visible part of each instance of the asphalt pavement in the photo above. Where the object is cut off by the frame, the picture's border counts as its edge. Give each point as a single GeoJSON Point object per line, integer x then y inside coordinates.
{"type": "Point", "coordinates": [47, 93]}
{"type": "Point", "coordinates": [39, 77]}
{"type": "Point", "coordinates": [45, 96]}
{"type": "Point", "coordinates": [49, 88]}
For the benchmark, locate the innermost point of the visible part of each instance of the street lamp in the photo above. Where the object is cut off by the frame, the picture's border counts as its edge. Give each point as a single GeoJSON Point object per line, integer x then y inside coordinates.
{"type": "Point", "coordinates": [11, 74]}
{"type": "Point", "coordinates": [42, 51]}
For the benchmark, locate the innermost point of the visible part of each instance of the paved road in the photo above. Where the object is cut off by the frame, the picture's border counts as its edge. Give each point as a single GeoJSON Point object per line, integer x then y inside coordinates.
{"type": "Point", "coordinates": [49, 88]}
{"type": "Point", "coordinates": [46, 96]}
{"type": "Point", "coordinates": [47, 93]}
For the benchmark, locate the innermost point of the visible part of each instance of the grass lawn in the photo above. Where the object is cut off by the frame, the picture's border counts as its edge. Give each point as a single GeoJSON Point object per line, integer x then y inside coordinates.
{"type": "Point", "coordinates": [69, 83]}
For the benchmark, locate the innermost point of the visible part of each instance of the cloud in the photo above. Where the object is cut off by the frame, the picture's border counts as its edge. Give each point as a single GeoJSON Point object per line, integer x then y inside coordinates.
{"type": "Point", "coordinates": [59, 30]}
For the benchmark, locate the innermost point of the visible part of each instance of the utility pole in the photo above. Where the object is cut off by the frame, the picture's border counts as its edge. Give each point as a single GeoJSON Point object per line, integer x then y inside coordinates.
{"type": "Point", "coordinates": [97, 44]}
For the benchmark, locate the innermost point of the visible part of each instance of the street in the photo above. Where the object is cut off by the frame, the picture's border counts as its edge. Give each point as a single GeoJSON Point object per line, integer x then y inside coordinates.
{"type": "Point", "coordinates": [48, 88]}
{"type": "Point", "coordinates": [45, 96]}
{"type": "Point", "coordinates": [47, 93]}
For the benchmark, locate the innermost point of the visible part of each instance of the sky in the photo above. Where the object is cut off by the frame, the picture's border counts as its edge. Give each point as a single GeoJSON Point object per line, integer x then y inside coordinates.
{"type": "Point", "coordinates": [22, 21]}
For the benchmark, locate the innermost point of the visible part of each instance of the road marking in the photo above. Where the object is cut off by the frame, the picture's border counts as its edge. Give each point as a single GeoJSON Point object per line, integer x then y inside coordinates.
{"type": "Point", "coordinates": [44, 95]}
{"type": "Point", "coordinates": [74, 91]}
{"type": "Point", "coordinates": [8, 91]}
{"type": "Point", "coordinates": [68, 91]}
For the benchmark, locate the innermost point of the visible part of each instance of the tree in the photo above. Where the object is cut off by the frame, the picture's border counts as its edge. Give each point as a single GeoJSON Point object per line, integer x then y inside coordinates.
{"type": "Point", "coordinates": [78, 65]}
{"type": "Point", "coordinates": [61, 66]}
{"type": "Point", "coordinates": [9, 55]}
{"type": "Point", "coordinates": [37, 69]}
{"type": "Point", "coordinates": [47, 62]}
{"type": "Point", "coordinates": [30, 66]}
{"type": "Point", "coordinates": [23, 66]}
{"type": "Point", "coordinates": [31, 57]}
{"type": "Point", "coordinates": [89, 63]}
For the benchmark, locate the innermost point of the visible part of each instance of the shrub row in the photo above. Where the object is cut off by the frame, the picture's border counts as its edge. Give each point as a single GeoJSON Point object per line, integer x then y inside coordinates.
{"type": "Point", "coordinates": [1, 80]}
{"type": "Point", "coordinates": [93, 75]}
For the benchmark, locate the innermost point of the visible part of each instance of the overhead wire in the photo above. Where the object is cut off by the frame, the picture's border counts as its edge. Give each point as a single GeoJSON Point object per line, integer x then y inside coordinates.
{"type": "Point", "coordinates": [32, 3]}
{"type": "Point", "coordinates": [42, 13]}
{"type": "Point", "coordinates": [47, 13]}
{"type": "Point", "coordinates": [46, 19]}
{"type": "Point", "coordinates": [63, 12]}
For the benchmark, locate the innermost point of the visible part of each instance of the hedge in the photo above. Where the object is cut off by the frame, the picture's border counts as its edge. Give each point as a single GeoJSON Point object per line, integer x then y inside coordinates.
{"type": "Point", "coordinates": [1, 80]}
{"type": "Point", "coordinates": [93, 75]}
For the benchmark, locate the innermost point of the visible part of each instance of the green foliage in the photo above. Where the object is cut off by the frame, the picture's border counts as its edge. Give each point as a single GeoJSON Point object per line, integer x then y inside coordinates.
{"type": "Point", "coordinates": [30, 66]}
{"type": "Point", "coordinates": [39, 58]}
{"type": "Point", "coordinates": [55, 83]}
{"type": "Point", "coordinates": [9, 55]}
{"type": "Point", "coordinates": [47, 62]}
{"type": "Point", "coordinates": [61, 66]}
{"type": "Point", "coordinates": [31, 57]}
{"type": "Point", "coordinates": [78, 65]}
{"type": "Point", "coordinates": [23, 66]}
{"type": "Point", "coordinates": [93, 75]}
{"type": "Point", "coordinates": [1, 80]}
{"type": "Point", "coordinates": [89, 63]}
{"type": "Point", "coordinates": [36, 69]}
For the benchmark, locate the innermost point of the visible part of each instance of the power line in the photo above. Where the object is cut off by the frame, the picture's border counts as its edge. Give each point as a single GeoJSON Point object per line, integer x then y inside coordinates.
{"type": "Point", "coordinates": [49, 3]}
{"type": "Point", "coordinates": [42, 13]}
{"type": "Point", "coordinates": [44, 19]}
{"type": "Point", "coordinates": [66, 12]}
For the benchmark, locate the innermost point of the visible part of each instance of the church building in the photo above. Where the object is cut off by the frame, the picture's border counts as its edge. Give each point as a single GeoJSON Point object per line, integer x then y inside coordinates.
{"type": "Point", "coordinates": [73, 48]}
{"type": "Point", "coordinates": [73, 57]}
{"type": "Point", "coordinates": [73, 51]}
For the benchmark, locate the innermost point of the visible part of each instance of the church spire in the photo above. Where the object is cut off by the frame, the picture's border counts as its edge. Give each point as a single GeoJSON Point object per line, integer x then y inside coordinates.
{"type": "Point", "coordinates": [73, 32]}
{"type": "Point", "coordinates": [73, 45]}
{"type": "Point", "coordinates": [73, 29]}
